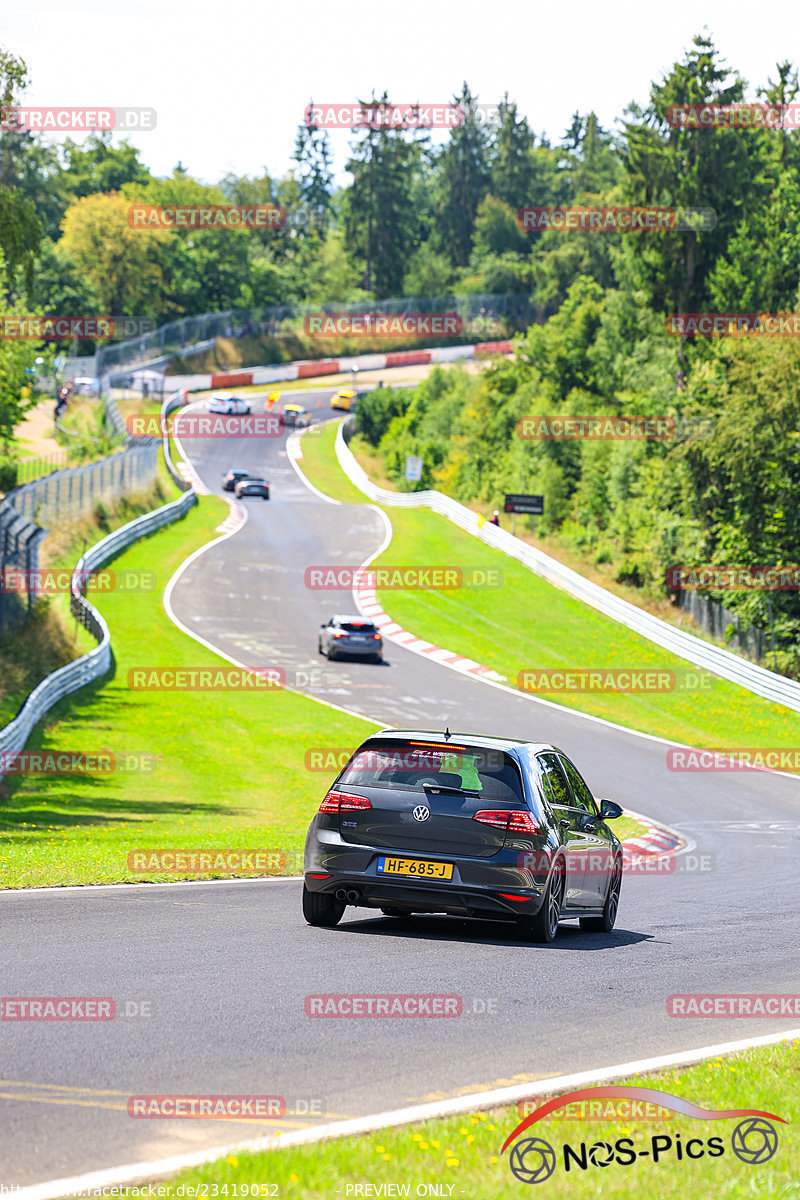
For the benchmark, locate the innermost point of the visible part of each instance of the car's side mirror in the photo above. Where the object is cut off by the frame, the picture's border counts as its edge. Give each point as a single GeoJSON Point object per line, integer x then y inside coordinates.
{"type": "Point", "coordinates": [609, 810]}
{"type": "Point", "coordinates": [323, 625]}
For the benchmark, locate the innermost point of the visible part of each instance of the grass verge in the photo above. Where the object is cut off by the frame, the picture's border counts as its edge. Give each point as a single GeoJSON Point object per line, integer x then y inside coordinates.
{"type": "Point", "coordinates": [48, 636]}
{"type": "Point", "coordinates": [216, 769]}
{"type": "Point", "coordinates": [526, 624]}
{"type": "Point", "coordinates": [460, 1156]}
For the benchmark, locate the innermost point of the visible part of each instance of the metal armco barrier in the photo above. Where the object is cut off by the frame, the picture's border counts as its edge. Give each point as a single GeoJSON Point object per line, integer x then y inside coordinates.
{"type": "Point", "coordinates": [758, 680]}
{"type": "Point", "coordinates": [90, 666]}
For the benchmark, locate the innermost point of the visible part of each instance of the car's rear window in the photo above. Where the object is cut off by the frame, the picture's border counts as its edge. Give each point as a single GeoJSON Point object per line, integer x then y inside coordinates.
{"type": "Point", "coordinates": [357, 627]}
{"type": "Point", "coordinates": [405, 766]}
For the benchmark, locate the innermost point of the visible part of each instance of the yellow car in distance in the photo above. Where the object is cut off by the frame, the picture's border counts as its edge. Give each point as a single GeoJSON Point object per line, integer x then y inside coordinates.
{"type": "Point", "coordinates": [344, 399]}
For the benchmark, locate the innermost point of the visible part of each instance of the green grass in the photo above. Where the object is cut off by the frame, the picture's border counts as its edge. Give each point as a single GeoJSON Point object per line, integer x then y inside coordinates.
{"type": "Point", "coordinates": [526, 624]}
{"type": "Point", "coordinates": [462, 1153]}
{"type": "Point", "coordinates": [228, 765]}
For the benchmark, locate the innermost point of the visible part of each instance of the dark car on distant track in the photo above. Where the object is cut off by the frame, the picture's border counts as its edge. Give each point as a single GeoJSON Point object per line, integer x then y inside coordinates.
{"type": "Point", "coordinates": [230, 480]}
{"type": "Point", "coordinates": [354, 637]}
{"type": "Point", "coordinates": [472, 826]}
{"type": "Point", "coordinates": [252, 487]}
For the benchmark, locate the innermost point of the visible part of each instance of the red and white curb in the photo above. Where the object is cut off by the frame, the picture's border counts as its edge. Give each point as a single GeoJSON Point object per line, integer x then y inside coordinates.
{"type": "Point", "coordinates": [190, 475]}
{"type": "Point", "coordinates": [657, 842]}
{"type": "Point", "coordinates": [368, 606]}
{"type": "Point", "coordinates": [313, 368]}
{"type": "Point", "coordinates": [235, 518]}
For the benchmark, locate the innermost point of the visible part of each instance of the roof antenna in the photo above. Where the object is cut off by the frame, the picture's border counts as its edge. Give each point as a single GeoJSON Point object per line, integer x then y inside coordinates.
{"type": "Point", "coordinates": [447, 734]}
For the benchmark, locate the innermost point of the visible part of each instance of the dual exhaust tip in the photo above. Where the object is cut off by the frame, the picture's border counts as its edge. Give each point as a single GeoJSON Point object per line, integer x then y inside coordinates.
{"type": "Point", "coordinates": [348, 895]}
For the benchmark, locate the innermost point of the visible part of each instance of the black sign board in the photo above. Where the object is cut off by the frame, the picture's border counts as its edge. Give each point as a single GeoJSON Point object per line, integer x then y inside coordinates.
{"type": "Point", "coordinates": [524, 504]}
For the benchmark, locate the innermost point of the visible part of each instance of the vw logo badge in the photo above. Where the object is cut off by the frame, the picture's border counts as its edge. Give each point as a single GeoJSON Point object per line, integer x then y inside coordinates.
{"type": "Point", "coordinates": [421, 812]}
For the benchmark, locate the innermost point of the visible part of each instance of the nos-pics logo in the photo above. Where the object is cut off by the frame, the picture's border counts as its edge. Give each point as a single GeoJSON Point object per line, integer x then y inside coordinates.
{"type": "Point", "coordinates": [754, 1139]}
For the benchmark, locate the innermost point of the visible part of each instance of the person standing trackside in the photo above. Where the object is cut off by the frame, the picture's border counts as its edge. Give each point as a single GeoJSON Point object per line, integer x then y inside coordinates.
{"type": "Point", "coordinates": [495, 518]}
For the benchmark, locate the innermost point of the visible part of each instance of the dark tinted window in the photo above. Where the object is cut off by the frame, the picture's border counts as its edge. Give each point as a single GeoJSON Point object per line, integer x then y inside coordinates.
{"type": "Point", "coordinates": [357, 626]}
{"type": "Point", "coordinates": [553, 780]}
{"type": "Point", "coordinates": [582, 795]}
{"type": "Point", "coordinates": [491, 773]}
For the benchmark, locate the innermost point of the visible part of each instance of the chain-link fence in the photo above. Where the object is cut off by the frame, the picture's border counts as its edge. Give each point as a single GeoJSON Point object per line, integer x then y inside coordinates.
{"type": "Point", "coordinates": [481, 314]}
{"type": "Point", "coordinates": [77, 490]}
{"type": "Point", "coordinates": [714, 618]}
{"type": "Point", "coordinates": [19, 550]}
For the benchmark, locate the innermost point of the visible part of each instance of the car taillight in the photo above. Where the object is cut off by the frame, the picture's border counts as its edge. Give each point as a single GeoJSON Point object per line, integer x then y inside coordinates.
{"type": "Point", "coordinates": [337, 633]}
{"type": "Point", "coordinates": [336, 802]}
{"type": "Point", "coordinates": [376, 637]}
{"type": "Point", "coordinates": [513, 820]}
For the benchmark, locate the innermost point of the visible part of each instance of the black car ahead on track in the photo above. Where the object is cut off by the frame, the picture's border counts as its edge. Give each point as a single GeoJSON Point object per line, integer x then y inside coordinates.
{"type": "Point", "coordinates": [234, 476]}
{"type": "Point", "coordinates": [466, 825]}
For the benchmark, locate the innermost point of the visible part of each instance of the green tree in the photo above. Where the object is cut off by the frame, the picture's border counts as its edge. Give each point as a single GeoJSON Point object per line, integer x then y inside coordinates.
{"type": "Point", "coordinates": [463, 179]}
{"type": "Point", "coordinates": [20, 228]}
{"type": "Point", "coordinates": [381, 226]}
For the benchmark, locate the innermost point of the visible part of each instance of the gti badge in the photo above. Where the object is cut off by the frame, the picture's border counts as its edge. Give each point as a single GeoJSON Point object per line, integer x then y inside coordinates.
{"type": "Point", "coordinates": [421, 812]}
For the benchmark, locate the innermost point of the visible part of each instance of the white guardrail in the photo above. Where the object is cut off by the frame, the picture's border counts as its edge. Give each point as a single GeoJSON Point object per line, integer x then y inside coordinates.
{"type": "Point", "coordinates": [685, 645]}
{"type": "Point", "coordinates": [91, 666]}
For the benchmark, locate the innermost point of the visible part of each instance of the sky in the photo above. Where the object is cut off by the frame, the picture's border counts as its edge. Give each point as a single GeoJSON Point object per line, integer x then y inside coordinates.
{"type": "Point", "coordinates": [230, 81]}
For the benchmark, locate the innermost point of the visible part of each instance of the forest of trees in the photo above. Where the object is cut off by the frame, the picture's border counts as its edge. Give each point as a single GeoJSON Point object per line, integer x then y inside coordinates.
{"type": "Point", "coordinates": [430, 220]}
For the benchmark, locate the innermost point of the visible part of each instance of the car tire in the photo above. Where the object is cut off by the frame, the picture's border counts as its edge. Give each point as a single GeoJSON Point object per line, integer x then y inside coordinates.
{"type": "Point", "coordinates": [377, 658]}
{"type": "Point", "coordinates": [606, 923]}
{"type": "Point", "coordinates": [320, 908]}
{"type": "Point", "coordinates": [319, 647]}
{"type": "Point", "coordinates": [543, 927]}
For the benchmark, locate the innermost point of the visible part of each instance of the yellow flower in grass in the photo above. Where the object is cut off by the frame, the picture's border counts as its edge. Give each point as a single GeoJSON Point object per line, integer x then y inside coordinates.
{"type": "Point", "coordinates": [452, 1162]}
{"type": "Point", "coordinates": [423, 1145]}
{"type": "Point", "coordinates": [435, 1144]}
{"type": "Point", "coordinates": [294, 1178]}
{"type": "Point", "coordinates": [387, 1157]}
{"type": "Point", "coordinates": [494, 1159]}
{"type": "Point", "coordinates": [232, 1160]}
{"type": "Point", "coordinates": [380, 1149]}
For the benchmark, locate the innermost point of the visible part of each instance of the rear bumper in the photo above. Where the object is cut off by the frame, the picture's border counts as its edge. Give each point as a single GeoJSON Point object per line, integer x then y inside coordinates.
{"type": "Point", "coordinates": [455, 900]}
{"type": "Point", "coordinates": [357, 651]}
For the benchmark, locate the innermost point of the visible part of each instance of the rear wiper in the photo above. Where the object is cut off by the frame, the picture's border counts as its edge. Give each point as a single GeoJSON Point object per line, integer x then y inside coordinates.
{"type": "Point", "coordinates": [449, 791]}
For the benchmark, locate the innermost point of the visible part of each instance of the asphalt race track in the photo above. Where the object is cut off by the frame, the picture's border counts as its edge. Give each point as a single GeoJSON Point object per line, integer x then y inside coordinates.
{"type": "Point", "coordinates": [226, 966]}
